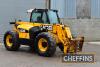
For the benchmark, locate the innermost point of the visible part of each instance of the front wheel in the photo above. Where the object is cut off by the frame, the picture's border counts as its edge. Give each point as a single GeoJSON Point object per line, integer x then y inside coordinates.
{"type": "Point", "coordinates": [11, 41]}
{"type": "Point", "coordinates": [45, 44]}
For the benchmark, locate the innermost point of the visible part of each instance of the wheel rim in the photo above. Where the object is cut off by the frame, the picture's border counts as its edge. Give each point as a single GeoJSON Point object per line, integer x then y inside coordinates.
{"type": "Point", "coordinates": [42, 44]}
{"type": "Point", "coordinates": [9, 40]}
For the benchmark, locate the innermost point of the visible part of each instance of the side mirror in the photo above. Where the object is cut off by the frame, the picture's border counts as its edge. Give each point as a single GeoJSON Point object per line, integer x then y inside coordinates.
{"type": "Point", "coordinates": [12, 22]}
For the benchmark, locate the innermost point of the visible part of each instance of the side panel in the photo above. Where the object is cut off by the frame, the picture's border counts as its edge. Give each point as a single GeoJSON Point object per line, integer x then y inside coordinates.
{"type": "Point", "coordinates": [23, 28]}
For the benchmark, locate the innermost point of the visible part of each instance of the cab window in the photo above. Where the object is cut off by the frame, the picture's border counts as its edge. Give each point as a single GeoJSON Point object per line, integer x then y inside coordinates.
{"type": "Point", "coordinates": [53, 17]}
{"type": "Point", "coordinates": [36, 17]}
{"type": "Point", "coordinates": [39, 17]}
{"type": "Point", "coordinates": [44, 18]}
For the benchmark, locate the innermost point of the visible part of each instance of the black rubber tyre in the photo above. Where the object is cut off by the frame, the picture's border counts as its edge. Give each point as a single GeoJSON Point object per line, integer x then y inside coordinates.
{"type": "Point", "coordinates": [61, 46]}
{"type": "Point", "coordinates": [33, 32]}
{"type": "Point", "coordinates": [51, 43]}
{"type": "Point", "coordinates": [14, 40]}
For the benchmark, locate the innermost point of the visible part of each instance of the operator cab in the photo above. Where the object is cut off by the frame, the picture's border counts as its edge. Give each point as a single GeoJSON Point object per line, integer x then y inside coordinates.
{"type": "Point", "coordinates": [45, 16]}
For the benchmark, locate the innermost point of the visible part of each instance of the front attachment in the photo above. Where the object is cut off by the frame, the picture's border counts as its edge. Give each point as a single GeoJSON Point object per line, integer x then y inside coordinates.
{"type": "Point", "coordinates": [74, 45]}
{"type": "Point", "coordinates": [78, 43]}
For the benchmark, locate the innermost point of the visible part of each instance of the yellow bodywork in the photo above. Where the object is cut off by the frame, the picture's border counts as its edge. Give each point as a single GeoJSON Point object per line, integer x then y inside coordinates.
{"type": "Point", "coordinates": [25, 26]}
{"type": "Point", "coordinates": [60, 32]}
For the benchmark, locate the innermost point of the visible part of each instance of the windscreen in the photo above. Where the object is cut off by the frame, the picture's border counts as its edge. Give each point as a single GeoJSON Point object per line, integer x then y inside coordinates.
{"type": "Point", "coordinates": [53, 17]}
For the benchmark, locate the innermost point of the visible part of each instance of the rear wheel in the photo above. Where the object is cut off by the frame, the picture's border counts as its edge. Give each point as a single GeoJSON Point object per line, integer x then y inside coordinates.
{"type": "Point", "coordinates": [11, 41]}
{"type": "Point", "coordinates": [45, 44]}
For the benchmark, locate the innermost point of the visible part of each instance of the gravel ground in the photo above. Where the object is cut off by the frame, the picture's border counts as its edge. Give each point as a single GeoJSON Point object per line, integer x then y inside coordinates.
{"type": "Point", "coordinates": [24, 58]}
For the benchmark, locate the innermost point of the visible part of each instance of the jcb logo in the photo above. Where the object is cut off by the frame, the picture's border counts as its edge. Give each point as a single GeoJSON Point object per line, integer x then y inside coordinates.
{"type": "Point", "coordinates": [47, 27]}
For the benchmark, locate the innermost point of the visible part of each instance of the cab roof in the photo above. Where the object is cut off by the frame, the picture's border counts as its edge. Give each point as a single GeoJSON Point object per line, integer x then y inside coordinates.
{"type": "Point", "coordinates": [30, 10]}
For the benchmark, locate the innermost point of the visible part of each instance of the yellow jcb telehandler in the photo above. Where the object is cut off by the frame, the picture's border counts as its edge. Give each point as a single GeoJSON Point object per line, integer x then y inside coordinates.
{"type": "Point", "coordinates": [43, 33]}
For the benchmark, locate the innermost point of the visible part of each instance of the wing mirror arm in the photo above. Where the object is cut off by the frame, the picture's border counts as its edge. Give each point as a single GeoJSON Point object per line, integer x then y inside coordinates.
{"type": "Point", "coordinates": [12, 22]}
